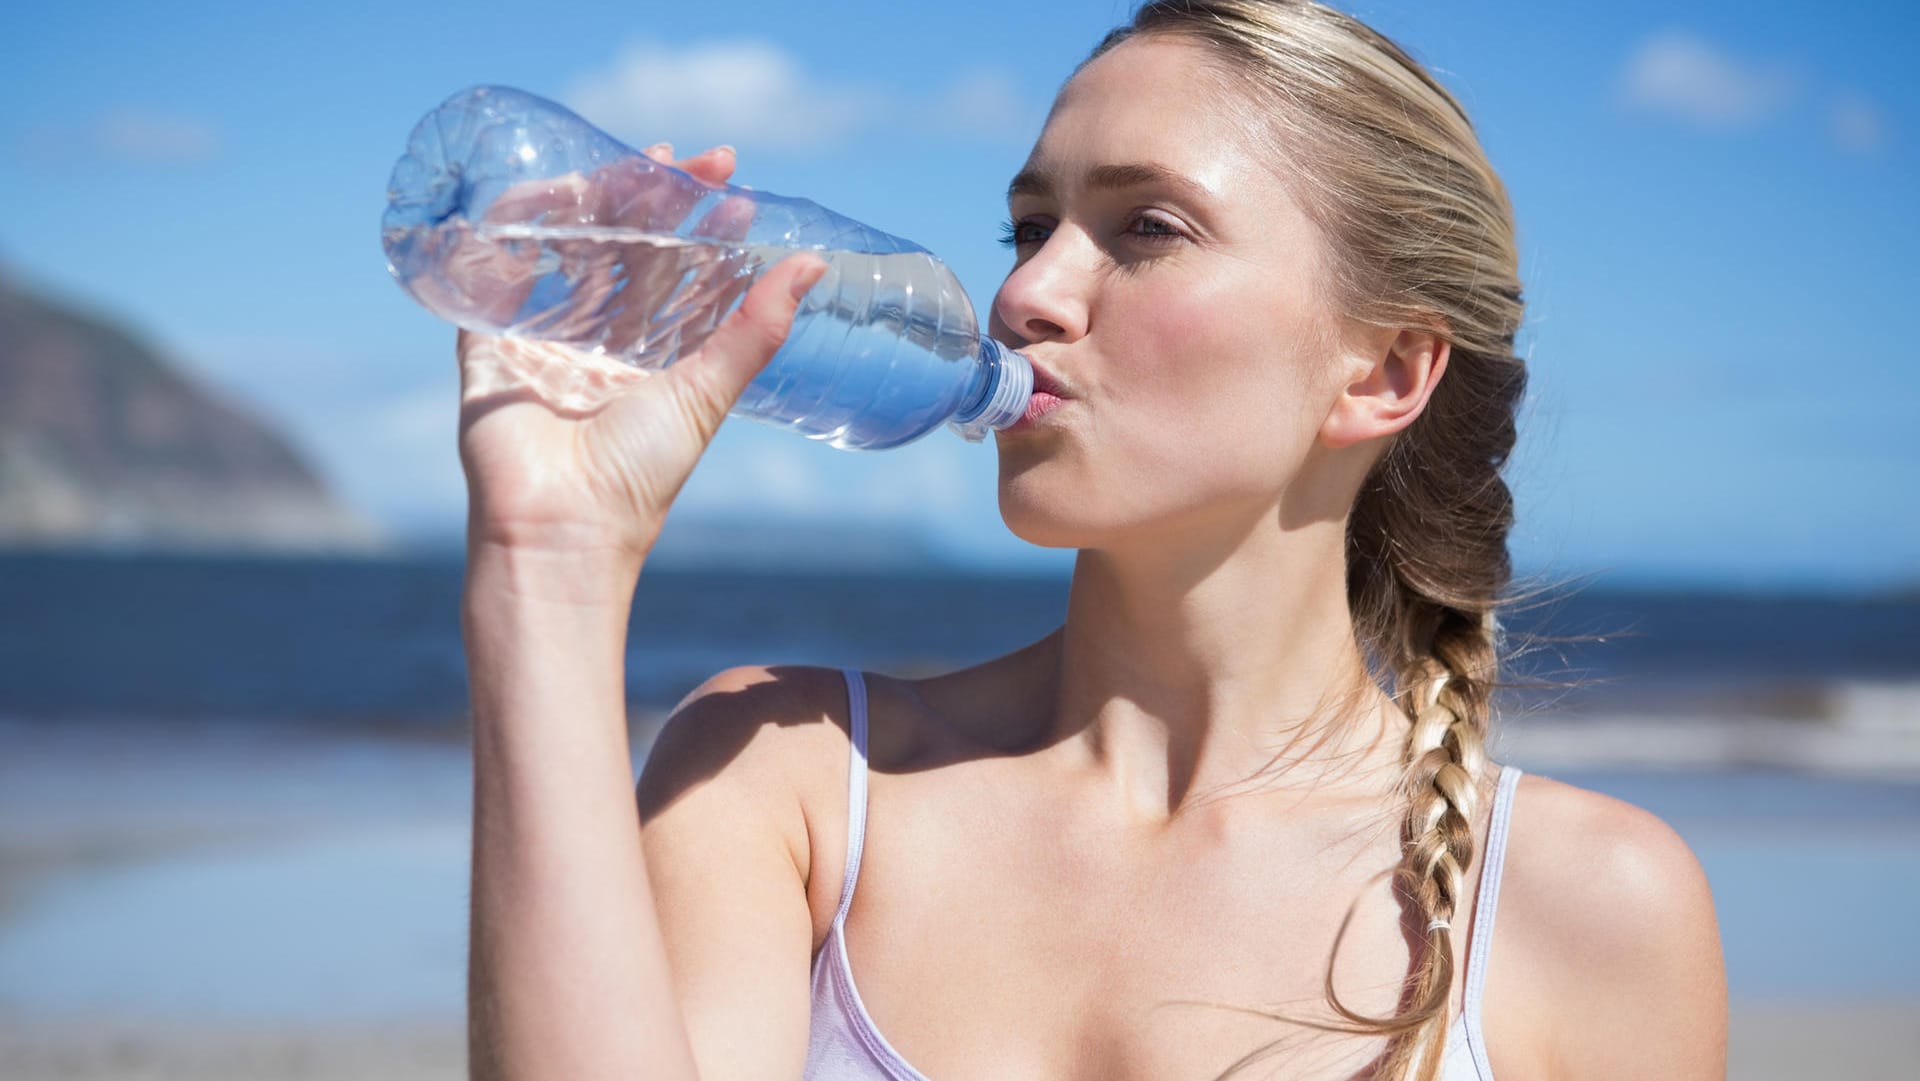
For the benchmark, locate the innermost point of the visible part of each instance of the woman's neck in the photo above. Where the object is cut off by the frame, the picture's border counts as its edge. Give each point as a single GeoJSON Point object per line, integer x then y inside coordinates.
{"type": "Point", "coordinates": [1189, 669]}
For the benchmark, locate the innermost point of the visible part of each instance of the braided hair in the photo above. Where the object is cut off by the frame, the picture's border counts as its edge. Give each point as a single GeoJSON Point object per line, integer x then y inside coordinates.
{"type": "Point", "coordinates": [1386, 162]}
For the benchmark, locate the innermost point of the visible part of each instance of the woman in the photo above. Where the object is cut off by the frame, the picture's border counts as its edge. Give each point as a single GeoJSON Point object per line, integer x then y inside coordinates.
{"type": "Point", "coordinates": [1269, 281]}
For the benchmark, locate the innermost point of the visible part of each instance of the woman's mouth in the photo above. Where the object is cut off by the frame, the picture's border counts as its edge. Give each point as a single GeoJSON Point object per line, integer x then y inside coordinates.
{"type": "Point", "coordinates": [1039, 406]}
{"type": "Point", "coordinates": [1048, 395]}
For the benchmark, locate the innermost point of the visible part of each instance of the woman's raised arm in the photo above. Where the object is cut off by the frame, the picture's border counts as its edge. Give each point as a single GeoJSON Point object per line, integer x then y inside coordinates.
{"type": "Point", "coordinates": [568, 972]}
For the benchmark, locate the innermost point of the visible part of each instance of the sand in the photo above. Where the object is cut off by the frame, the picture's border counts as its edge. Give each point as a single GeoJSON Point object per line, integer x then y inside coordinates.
{"type": "Point", "coordinates": [1775, 1042]}
{"type": "Point", "coordinates": [109, 1050]}
{"type": "Point", "coordinates": [120, 799]}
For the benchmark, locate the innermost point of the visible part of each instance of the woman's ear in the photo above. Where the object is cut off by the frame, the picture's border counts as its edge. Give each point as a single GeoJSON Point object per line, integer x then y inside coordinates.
{"type": "Point", "coordinates": [1389, 392]}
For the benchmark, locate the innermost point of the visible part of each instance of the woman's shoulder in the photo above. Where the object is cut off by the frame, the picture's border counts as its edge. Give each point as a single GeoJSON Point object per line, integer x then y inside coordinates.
{"type": "Point", "coordinates": [753, 760]}
{"type": "Point", "coordinates": [792, 722]}
{"type": "Point", "coordinates": [758, 728]}
{"type": "Point", "coordinates": [758, 757]}
{"type": "Point", "coordinates": [1606, 860]}
{"type": "Point", "coordinates": [1608, 944]}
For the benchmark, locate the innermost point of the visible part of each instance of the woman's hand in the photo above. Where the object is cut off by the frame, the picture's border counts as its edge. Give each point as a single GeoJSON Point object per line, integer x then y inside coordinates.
{"type": "Point", "coordinates": [572, 452]}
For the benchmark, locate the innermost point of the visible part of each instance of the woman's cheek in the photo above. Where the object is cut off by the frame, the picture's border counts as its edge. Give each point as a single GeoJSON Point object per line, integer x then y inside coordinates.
{"type": "Point", "coordinates": [1231, 394]}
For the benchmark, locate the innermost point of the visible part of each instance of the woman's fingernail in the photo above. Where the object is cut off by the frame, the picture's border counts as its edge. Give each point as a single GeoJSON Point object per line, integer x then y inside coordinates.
{"type": "Point", "coordinates": [660, 150]}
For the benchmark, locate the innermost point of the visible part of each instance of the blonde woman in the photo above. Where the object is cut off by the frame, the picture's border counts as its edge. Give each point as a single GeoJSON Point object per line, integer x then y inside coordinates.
{"type": "Point", "coordinates": [1235, 816]}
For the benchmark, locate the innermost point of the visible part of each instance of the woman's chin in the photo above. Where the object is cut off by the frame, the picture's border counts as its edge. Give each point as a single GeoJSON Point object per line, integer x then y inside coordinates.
{"type": "Point", "coordinates": [1048, 520]}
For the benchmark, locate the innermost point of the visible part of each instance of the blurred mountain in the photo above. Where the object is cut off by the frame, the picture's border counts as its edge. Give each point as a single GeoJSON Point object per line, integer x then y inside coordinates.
{"type": "Point", "coordinates": [103, 444]}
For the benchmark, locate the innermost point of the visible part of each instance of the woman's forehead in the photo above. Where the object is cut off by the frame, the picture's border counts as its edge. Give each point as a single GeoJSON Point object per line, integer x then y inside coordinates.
{"type": "Point", "coordinates": [1155, 101]}
{"type": "Point", "coordinates": [1157, 114]}
{"type": "Point", "coordinates": [1159, 80]}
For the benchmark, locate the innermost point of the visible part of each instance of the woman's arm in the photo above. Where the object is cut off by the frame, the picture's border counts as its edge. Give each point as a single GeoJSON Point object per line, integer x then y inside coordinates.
{"type": "Point", "coordinates": [569, 970]}
{"type": "Point", "coordinates": [572, 971]}
{"type": "Point", "coordinates": [730, 855]}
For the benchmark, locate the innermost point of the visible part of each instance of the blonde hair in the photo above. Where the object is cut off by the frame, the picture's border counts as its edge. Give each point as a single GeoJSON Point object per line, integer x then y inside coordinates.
{"type": "Point", "coordinates": [1421, 235]}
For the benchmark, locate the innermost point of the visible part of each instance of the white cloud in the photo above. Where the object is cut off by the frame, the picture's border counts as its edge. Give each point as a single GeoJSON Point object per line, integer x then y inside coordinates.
{"type": "Point", "coordinates": [744, 91]}
{"type": "Point", "coordinates": [1856, 125]}
{"type": "Point", "coordinates": [125, 137]}
{"type": "Point", "coordinates": [156, 138]}
{"type": "Point", "coordinates": [985, 103]}
{"type": "Point", "coordinates": [1684, 78]}
{"type": "Point", "coordinates": [758, 94]}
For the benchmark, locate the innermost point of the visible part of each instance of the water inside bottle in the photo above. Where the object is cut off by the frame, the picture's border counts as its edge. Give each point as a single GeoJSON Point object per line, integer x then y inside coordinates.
{"type": "Point", "coordinates": [646, 297]}
{"type": "Point", "coordinates": [881, 350]}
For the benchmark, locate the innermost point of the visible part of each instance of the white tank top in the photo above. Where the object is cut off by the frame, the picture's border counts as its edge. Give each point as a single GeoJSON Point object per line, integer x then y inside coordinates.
{"type": "Point", "coordinates": [844, 1045]}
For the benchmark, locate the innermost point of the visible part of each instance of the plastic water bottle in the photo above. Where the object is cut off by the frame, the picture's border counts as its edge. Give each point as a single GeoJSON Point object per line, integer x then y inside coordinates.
{"type": "Point", "coordinates": [510, 215]}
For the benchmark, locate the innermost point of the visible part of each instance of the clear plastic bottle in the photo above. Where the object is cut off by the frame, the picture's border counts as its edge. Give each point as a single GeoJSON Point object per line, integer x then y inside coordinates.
{"type": "Point", "coordinates": [511, 215]}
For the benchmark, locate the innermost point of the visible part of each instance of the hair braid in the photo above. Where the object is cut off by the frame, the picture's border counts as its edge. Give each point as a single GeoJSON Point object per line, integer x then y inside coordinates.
{"type": "Point", "coordinates": [1446, 757]}
{"type": "Point", "coordinates": [1427, 569]}
{"type": "Point", "coordinates": [1420, 234]}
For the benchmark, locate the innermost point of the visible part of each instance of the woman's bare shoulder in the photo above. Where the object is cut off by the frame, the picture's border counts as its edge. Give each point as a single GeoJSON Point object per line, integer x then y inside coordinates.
{"type": "Point", "coordinates": [1609, 949]}
{"type": "Point", "coordinates": [766, 749]}
{"type": "Point", "coordinates": [1608, 861]}
{"type": "Point", "coordinates": [754, 760]}
{"type": "Point", "coordinates": [785, 728]}
{"type": "Point", "coordinates": [761, 729]}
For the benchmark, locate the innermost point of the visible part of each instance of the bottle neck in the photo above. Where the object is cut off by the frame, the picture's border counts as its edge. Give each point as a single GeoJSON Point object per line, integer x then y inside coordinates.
{"type": "Point", "coordinates": [1003, 386]}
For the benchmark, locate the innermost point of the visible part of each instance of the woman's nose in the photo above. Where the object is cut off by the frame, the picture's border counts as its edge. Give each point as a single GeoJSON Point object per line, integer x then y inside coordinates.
{"type": "Point", "coordinates": [1043, 299]}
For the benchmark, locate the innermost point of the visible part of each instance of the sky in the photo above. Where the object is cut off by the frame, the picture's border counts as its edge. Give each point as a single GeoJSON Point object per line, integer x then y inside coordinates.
{"type": "Point", "coordinates": [1716, 204]}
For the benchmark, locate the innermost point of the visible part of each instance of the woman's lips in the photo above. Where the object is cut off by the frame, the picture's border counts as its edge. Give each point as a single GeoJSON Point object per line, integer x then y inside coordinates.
{"type": "Point", "coordinates": [1038, 406]}
{"type": "Point", "coordinates": [1048, 395]}
{"type": "Point", "coordinates": [1044, 382]}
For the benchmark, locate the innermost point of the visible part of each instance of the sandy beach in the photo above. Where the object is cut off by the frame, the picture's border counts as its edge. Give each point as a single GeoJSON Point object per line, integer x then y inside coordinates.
{"type": "Point", "coordinates": [213, 903]}
{"type": "Point", "coordinates": [1776, 1042]}
{"type": "Point", "coordinates": [116, 1050]}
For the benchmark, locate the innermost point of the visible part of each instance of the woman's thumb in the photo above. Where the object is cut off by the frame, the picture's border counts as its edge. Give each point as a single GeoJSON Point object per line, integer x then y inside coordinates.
{"type": "Point", "coordinates": [743, 344]}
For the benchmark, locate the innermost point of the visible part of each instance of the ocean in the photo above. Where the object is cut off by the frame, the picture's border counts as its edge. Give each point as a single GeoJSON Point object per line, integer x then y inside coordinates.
{"type": "Point", "coordinates": [318, 639]}
{"type": "Point", "coordinates": [234, 788]}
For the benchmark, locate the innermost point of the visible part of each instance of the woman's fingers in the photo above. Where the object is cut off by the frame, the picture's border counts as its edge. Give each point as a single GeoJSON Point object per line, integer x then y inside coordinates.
{"type": "Point", "coordinates": [638, 194]}
{"type": "Point", "coordinates": [730, 219]}
{"type": "Point", "coordinates": [748, 339]}
{"type": "Point", "coordinates": [529, 201]}
{"type": "Point", "coordinates": [633, 193]}
{"type": "Point", "coordinates": [713, 165]}
{"type": "Point", "coordinates": [533, 199]}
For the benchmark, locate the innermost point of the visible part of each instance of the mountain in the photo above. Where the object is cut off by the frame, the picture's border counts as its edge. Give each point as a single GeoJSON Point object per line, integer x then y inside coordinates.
{"type": "Point", "coordinates": [104, 444]}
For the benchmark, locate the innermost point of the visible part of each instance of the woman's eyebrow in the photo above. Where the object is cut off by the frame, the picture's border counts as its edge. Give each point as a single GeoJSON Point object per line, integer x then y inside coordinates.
{"type": "Point", "coordinates": [1039, 181]}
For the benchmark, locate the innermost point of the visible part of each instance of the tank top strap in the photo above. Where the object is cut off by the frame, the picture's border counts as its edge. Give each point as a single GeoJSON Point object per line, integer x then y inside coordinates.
{"type": "Point", "coordinates": [1486, 905]}
{"type": "Point", "coordinates": [856, 785]}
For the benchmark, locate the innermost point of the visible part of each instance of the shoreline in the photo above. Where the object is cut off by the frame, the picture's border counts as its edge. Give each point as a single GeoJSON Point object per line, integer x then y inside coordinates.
{"type": "Point", "coordinates": [1878, 742]}
{"type": "Point", "coordinates": [1868, 1040]}
{"type": "Point", "coordinates": [1881, 750]}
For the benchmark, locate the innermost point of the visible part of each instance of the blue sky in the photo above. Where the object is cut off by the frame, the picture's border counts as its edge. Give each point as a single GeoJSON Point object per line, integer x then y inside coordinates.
{"type": "Point", "coordinates": [1716, 203]}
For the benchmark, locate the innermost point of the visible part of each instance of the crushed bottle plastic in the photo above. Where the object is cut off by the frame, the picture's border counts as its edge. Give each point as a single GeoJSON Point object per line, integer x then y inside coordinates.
{"type": "Point", "coordinates": [511, 215]}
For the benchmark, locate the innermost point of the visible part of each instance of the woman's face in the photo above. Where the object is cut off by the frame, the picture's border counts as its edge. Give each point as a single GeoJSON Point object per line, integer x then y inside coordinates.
{"type": "Point", "coordinates": [1166, 279]}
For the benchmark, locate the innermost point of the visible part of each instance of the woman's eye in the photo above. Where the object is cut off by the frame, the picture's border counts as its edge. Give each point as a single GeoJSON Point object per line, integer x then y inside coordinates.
{"type": "Point", "coordinates": [1015, 233]}
{"type": "Point", "coordinates": [1153, 230]}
